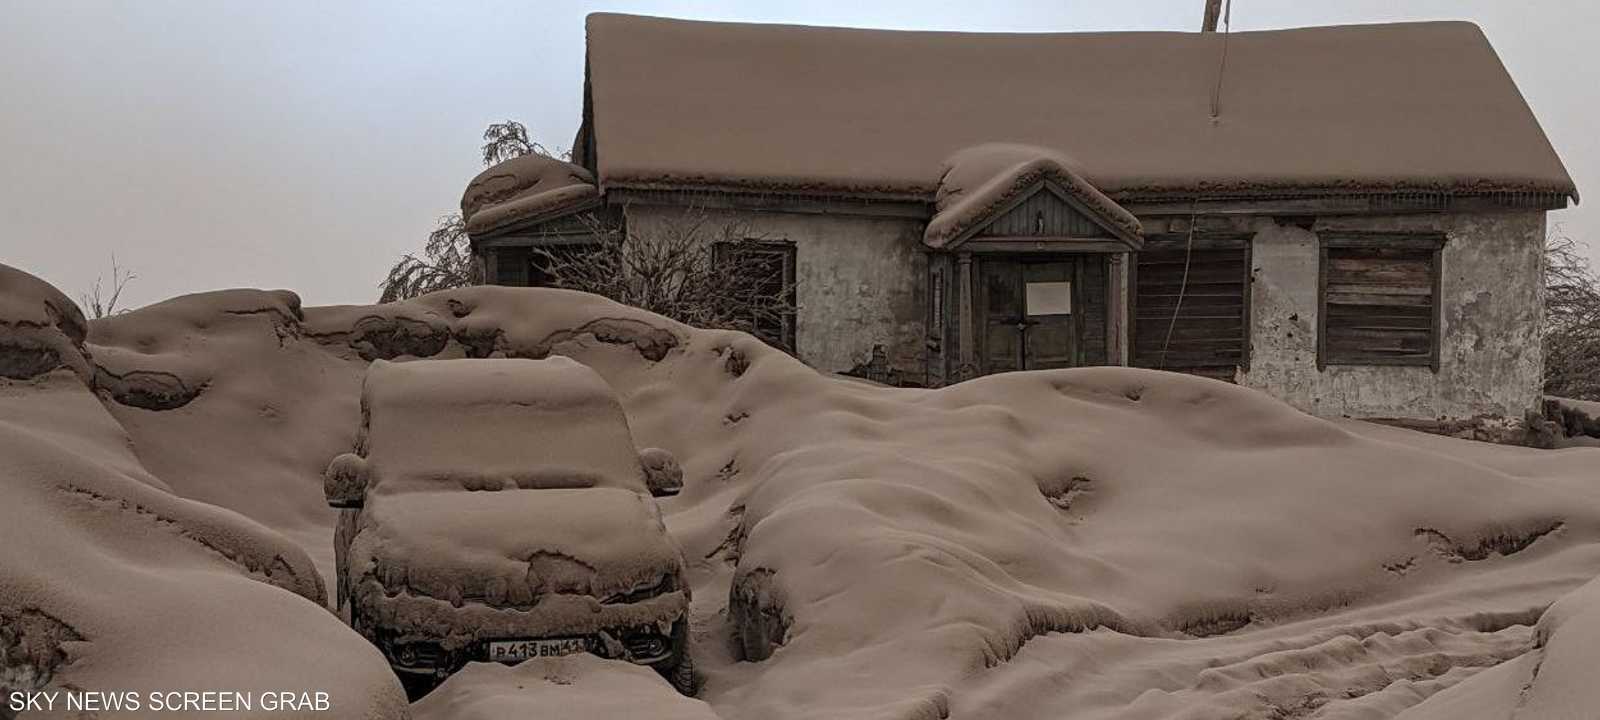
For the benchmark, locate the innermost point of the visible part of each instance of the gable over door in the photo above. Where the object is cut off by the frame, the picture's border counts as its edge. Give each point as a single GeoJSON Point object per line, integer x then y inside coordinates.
{"type": "Point", "coordinates": [1043, 214]}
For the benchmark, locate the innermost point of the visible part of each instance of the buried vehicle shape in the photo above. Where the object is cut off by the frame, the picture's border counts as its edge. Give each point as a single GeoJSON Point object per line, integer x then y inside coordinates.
{"type": "Point", "coordinates": [498, 510]}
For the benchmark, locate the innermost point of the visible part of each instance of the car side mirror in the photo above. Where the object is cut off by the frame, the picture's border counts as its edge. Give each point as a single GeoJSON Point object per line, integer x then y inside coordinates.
{"type": "Point", "coordinates": [662, 475]}
{"type": "Point", "coordinates": [345, 481]}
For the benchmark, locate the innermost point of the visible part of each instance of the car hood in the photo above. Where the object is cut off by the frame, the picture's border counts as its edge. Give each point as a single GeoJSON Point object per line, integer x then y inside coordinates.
{"type": "Point", "coordinates": [510, 548]}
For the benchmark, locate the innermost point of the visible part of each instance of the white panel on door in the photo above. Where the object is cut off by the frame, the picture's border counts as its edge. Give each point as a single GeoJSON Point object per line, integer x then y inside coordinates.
{"type": "Point", "coordinates": [1049, 298]}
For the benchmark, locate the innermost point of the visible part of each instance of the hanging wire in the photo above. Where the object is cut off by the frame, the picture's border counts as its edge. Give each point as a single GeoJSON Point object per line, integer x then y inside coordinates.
{"type": "Point", "coordinates": [1222, 64]}
{"type": "Point", "coordinates": [1194, 204]}
{"type": "Point", "coordinates": [1183, 285]}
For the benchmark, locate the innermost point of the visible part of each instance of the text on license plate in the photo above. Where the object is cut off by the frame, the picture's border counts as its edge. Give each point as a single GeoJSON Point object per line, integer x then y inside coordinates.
{"type": "Point", "coordinates": [511, 651]}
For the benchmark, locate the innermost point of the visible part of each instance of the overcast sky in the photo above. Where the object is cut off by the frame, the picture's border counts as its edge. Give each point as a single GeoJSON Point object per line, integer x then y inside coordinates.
{"type": "Point", "coordinates": [305, 145]}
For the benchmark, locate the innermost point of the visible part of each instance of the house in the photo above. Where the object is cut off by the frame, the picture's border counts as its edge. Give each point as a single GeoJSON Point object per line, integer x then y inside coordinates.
{"type": "Point", "coordinates": [1350, 218]}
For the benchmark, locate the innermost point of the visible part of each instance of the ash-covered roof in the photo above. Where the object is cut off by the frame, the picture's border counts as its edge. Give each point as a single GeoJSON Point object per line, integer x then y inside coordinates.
{"type": "Point", "coordinates": [524, 190]}
{"type": "Point", "coordinates": [1353, 109]}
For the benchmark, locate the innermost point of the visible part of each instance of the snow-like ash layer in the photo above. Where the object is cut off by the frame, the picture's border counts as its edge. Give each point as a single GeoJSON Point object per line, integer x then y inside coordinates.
{"type": "Point", "coordinates": [1088, 543]}
{"type": "Point", "coordinates": [570, 556]}
{"type": "Point", "coordinates": [921, 525]}
{"type": "Point", "coordinates": [579, 686]}
{"type": "Point", "coordinates": [979, 180]}
{"type": "Point", "coordinates": [111, 582]}
{"type": "Point", "coordinates": [40, 329]}
{"type": "Point", "coordinates": [269, 405]}
{"type": "Point", "coordinates": [525, 190]}
{"type": "Point", "coordinates": [442, 427]}
{"type": "Point", "coordinates": [1360, 108]}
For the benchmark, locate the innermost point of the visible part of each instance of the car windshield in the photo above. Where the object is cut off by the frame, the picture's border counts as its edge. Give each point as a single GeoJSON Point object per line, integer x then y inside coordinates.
{"type": "Point", "coordinates": [497, 424]}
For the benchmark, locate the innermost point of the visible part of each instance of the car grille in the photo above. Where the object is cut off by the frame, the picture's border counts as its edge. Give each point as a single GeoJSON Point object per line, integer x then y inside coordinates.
{"type": "Point", "coordinates": [646, 645]}
{"type": "Point", "coordinates": [418, 654]}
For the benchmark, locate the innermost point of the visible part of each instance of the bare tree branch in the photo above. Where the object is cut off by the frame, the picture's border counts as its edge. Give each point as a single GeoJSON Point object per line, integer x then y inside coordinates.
{"type": "Point", "coordinates": [446, 262]}
{"type": "Point", "coordinates": [688, 268]}
{"type": "Point", "coordinates": [1572, 321]}
{"type": "Point", "coordinates": [503, 141]}
{"type": "Point", "coordinates": [447, 258]}
{"type": "Point", "coordinates": [98, 306]}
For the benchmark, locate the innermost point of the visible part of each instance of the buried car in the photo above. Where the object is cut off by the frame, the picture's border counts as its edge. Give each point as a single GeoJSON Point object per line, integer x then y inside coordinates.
{"type": "Point", "coordinates": [497, 510]}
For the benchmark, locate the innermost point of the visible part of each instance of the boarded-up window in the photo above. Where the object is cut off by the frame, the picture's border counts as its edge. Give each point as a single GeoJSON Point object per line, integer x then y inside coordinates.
{"type": "Point", "coordinates": [1191, 308]}
{"type": "Point", "coordinates": [770, 266]}
{"type": "Point", "coordinates": [1379, 301]}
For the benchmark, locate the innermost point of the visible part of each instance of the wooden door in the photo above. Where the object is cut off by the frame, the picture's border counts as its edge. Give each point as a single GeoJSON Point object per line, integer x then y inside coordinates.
{"type": "Point", "coordinates": [1002, 315]}
{"type": "Point", "coordinates": [1050, 335]}
{"type": "Point", "coordinates": [1027, 314]}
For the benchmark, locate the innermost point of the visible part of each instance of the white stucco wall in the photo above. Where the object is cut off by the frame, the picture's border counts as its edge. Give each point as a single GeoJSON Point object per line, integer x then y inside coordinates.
{"type": "Point", "coordinates": [860, 282]}
{"type": "Point", "coordinates": [1492, 296]}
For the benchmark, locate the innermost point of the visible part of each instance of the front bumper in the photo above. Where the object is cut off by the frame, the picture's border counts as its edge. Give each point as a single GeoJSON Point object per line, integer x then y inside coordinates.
{"type": "Point", "coordinates": [421, 634]}
{"type": "Point", "coordinates": [648, 645]}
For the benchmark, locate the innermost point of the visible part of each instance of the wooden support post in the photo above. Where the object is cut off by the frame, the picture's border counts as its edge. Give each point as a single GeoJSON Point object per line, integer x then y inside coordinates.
{"type": "Point", "coordinates": [1116, 309]}
{"type": "Point", "coordinates": [968, 367]}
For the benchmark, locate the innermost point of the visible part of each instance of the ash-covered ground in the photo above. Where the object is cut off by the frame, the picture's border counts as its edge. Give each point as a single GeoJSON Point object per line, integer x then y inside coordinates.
{"type": "Point", "coordinates": [1091, 543]}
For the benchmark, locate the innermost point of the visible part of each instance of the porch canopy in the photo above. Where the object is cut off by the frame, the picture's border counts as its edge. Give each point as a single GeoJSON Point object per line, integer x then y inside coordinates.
{"type": "Point", "coordinates": [525, 191]}
{"type": "Point", "coordinates": [1001, 197]}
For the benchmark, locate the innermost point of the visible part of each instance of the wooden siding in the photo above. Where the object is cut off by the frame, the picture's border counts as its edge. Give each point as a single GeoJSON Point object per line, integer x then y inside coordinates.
{"type": "Point", "coordinates": [1044, 214]}
{"type": "Point", "coordinates": [1210, 334]}
{"type": "Point", "coordinates": [1379, 305]}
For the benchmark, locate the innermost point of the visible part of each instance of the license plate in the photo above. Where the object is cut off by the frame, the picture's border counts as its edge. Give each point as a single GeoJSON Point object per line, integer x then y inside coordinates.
{"type": "Point", "coordinates": [514, 651]}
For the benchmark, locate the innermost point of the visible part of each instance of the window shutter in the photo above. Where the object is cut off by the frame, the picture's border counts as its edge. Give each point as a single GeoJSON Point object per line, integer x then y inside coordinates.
{"type": "Point", "coordinates": [1210, 334]}
{"type": "Point", "coordinates": [1380, 302]}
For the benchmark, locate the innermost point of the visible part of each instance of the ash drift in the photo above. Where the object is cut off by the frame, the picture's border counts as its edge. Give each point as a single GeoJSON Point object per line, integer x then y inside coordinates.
{"type": "Point", "coordinates": [1089, 543]}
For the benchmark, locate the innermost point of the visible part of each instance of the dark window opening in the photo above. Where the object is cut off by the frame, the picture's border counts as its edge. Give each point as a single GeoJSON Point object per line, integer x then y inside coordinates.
{"type": "Point", "coordinates": [1379, 301]}
{"type": "Point", "coordinates": [511, 266]}
{"type": "Point", "coordinates": [768, 270]}
{"type": "Point", "coordinates": [531, 266]}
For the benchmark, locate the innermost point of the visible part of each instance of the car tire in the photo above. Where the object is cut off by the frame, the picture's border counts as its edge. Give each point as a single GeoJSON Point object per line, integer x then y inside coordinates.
{"type": "Point", "coordinates": [680, 672]}
{"type": "Point", "coordinates": [417, 686]}
{"type": "Point", "coordinates": [344, 530]}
